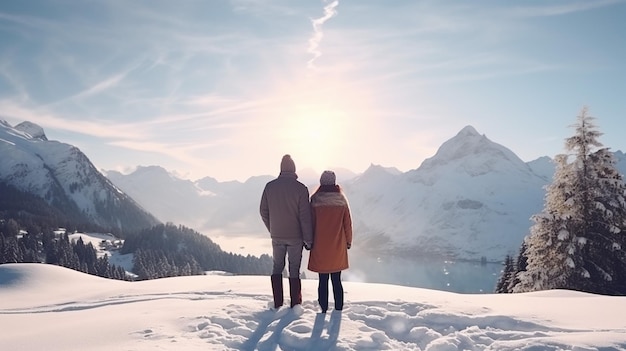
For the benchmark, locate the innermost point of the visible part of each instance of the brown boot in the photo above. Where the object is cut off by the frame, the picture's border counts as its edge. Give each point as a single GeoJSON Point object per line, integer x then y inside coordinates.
{"type": "Point", "coordinates": [295, 291]}
{"type": "Point", "coordinates": [277, 289]}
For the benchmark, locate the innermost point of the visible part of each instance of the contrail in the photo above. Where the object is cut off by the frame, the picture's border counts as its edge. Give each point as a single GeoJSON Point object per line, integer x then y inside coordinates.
{"type": "Point", "coordinates": [314, 42]}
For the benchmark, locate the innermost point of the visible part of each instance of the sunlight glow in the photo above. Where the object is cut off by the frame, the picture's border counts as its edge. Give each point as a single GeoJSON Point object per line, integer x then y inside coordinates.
{"type": "Point", "coordinates": [316, 118]}
{"type": "Point", "coordinates": [315, 132]}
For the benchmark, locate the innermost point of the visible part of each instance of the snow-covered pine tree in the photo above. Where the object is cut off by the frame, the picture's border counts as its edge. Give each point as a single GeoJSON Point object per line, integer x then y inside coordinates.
{"type": "Point", "coordinates": [549, 246]}
{"type": "Point", "coordinates": [507, 275]}
{"type": "Point", "coordinates": [607, 226]}
{"type": "Point", "coordinates": [577, 241]}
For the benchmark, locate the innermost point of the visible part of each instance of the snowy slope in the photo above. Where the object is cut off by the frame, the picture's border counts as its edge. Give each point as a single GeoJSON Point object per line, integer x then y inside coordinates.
{"type": "Point", "coordinates": [543, 167]}
{"type": "Point", "coordinates": [63, 176]}
{"type": "Point", "coordinates": [45, 307]}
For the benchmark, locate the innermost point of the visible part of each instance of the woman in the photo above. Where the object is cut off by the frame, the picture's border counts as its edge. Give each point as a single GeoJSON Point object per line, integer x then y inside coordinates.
{"type": "Point", "coordinates": [332, 237]}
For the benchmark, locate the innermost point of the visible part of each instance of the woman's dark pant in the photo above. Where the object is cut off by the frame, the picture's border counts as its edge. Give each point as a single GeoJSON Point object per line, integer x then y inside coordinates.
{"type": "Point", "coordinates": [322, 290]}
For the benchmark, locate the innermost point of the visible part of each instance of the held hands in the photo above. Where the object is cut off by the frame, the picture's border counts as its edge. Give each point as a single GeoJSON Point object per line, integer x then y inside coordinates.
{"type": "Point", "coordinates": [309, 246]}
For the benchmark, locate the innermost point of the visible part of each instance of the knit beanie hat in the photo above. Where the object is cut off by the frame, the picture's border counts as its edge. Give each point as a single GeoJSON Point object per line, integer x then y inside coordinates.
{"type": "Point", "coordinates": [328, 178]}
{"type": "Point", "coordinates": [287, 164]}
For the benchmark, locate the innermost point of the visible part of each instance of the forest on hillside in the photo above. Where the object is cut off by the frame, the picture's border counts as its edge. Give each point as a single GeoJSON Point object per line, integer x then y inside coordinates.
{"type": "Point", "coordinates": [27, 234]}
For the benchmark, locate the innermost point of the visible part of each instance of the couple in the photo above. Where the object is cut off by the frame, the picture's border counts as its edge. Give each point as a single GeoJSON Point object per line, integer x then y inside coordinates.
{"type": "Point", "coordinates": [321, 224]}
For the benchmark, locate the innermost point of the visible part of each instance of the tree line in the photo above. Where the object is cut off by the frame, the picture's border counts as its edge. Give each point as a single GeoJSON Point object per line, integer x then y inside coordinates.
{"type": "Point", "coordinates": [168, 250]}
{"type": "Point", "coordinates": [54, 249]}
{"type": "Point", "coordinates": [164, 250]}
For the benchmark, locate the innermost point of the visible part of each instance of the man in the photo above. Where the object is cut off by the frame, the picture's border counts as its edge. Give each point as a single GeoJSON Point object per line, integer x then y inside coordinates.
{"type": "Point", "coordinates": [286, 211]}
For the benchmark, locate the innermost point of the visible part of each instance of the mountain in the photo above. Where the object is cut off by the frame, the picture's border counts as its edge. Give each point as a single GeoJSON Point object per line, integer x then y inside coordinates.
{"type": "Point", "coordinates": [162, 194]}
{"type": "Point", "coordinates": [205, 205]}
{"type": "Point", "coordinates": [65, 178]}
{"type": "Point", "coordinates": [543, 167]}
{"type": "Point", "coordinates": [472, 199]}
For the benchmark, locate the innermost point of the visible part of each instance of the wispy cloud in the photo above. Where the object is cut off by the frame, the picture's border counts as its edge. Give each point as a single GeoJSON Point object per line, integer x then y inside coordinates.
{"type": "Point", "coordinates": [14, 83]}
{"type": "Point", "coordinates": [133, 135]}
{"type": "Point", "coordinates": [562, 9]}
{"type": "Point", "coordinates": [100, 86]}
{"type": "Point", "coordinates": [48, 119]}
{"type": "Point", "coordinates": [318, 34]}
{"type": "Point", "coordinates": [263, 8]}
{"type": "Point", "coordinates": [180, 152]}
{"type": "Point", "coordinates": [473, 43]}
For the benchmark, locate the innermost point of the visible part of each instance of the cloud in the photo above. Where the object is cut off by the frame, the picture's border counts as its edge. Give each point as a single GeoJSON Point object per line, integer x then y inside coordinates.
{"type": "Point", "coordinates": [8, 74]}
{"type": "Point", "coordinates": [263, 8]}
{"type": "Point", "coordinates": [100, 86]}
{"type": "Point", "coordinates": [441, 44]}
{"type": "Point", "coordinates": [318, 34]}
{"type": "Point", "coordinates": [48, 119]}
{"type": "Point", "coordinates": [183, 152]}
{"type": "Point", "coordinates": [220, 107]}
{"type": "Point", "coordinates": [564, 9]}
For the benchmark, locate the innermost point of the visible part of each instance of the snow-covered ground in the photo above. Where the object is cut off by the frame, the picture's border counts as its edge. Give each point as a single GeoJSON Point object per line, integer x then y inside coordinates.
{"type": "Point", "coordinates": [97, 239]}
{"type": "Point", "coordinates": [46, 307]}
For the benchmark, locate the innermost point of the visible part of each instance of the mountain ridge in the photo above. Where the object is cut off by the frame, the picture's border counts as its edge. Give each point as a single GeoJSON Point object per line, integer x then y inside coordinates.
{"type": "Point", "coordinates": [444, 207]}
{"type": "Point", "coordinates": [65, 177]}
{"type": "Point", "coordinates": [472, 199]}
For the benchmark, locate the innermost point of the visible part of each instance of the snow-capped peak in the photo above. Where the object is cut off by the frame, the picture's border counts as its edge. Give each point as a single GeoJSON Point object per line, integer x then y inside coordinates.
{"type": "Point", "coordinates": [468, 131]}
{"type": "Point", "coordinates": [473, 147]}
{"type": "Point", "coordinates": [378, 169]}
{"type": "Point", "coordinates": [378, 173]}
{"type": "Point", "coordinates": [32, 129]}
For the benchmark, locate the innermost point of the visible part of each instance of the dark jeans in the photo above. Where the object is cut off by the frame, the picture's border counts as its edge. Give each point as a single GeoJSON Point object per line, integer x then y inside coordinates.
{"type": "Point", "coordinates": [322, 290]}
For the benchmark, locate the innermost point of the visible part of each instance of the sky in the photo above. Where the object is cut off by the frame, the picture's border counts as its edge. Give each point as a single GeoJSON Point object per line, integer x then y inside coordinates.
{"type": "Point", "coordinates": [47, 307]}
{"type": "Point", "coordinates": [225, 88]}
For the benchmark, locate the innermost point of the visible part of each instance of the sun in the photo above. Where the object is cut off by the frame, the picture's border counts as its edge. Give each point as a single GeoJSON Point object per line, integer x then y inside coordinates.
{"type": "Point", "coordinates": [316, 135]}
{"type": "Point", "coordinates": [323, 122]}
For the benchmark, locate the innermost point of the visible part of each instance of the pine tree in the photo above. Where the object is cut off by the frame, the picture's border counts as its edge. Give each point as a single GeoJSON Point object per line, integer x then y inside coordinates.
{"type": "Point", "coordinates": [502, 286]}
{"type": "Point", "coordinates": [606, 220]}
{"type": "Point", "coordinates": [549, 246]}
{"type": "Point", "coordinates": [578, 242]}
{"type": "Point", "coordinates": [11, 252]}
{"type": "Point", "coordinates": [520, 265]}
